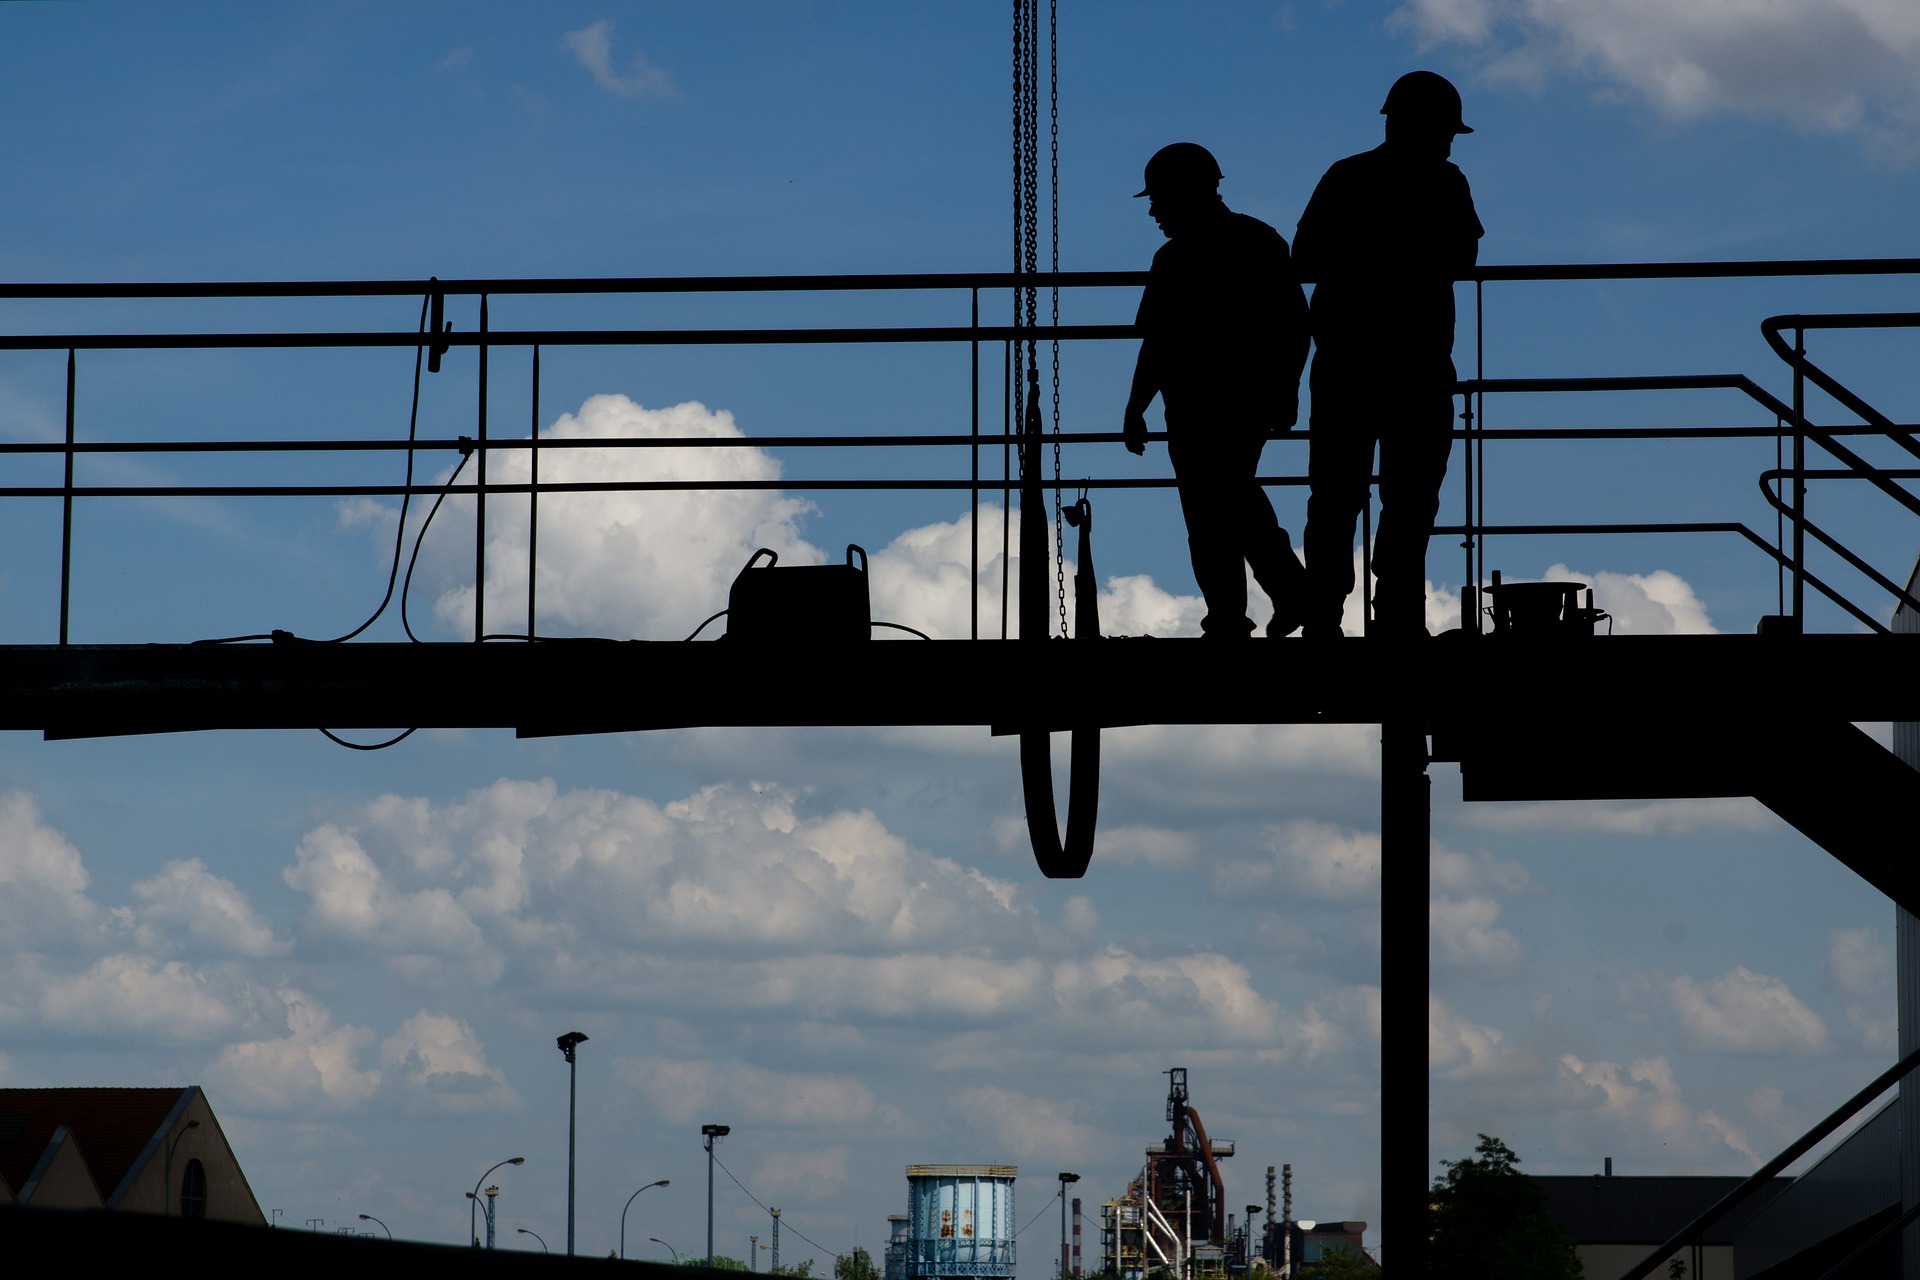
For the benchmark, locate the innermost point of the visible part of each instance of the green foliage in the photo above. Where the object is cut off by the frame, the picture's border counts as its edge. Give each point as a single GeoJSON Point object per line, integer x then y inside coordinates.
{"type": "Point", "coordinates": [799, 1270]}
{"type": "Point", "coordinates": [1339, 1266]}
{"type": "Point", "coordinates": [720, 1262]}
{"type": "Point", "coordinates": [855, 1265]}
{"type": "Point", "coordinates": [1489, 1222]}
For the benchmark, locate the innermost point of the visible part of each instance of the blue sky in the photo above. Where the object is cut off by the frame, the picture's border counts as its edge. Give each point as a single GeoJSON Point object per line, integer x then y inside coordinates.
{"type": "Point", "coordinates": [835, 941]}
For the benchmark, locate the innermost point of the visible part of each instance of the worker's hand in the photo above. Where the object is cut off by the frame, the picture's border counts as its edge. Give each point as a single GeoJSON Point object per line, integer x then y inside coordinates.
{"type": "Point", "coordinates": [1135, 430]}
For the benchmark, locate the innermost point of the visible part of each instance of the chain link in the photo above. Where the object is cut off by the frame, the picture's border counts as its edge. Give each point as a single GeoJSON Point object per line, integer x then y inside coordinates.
{"type": "Point", "coordinates": [1053, 138]}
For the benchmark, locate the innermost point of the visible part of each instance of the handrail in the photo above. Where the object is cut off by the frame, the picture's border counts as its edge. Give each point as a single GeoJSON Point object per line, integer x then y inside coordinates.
{"type": "Point", "coordinates": [1771, 1169]}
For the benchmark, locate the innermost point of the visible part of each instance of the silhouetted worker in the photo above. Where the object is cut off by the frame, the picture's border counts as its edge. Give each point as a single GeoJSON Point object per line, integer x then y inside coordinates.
{"type": "Point", "coordinates": [1223, 326]}
{"type": "Point", "coordinates": [1384, 236]}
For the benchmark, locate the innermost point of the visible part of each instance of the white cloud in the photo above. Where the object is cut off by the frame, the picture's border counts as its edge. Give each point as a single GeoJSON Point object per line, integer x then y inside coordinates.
{"type": "Point", "coordinates": [1020, 1126]}
{"type": "Point", "coordinates": [43, 881]}
{"type": "Point", "coordinates": [1860, 967]}
{"type": "Point", "coordinates": [593, 46]}
{"type": "Point", "coordinates": [1622, 817]}
{"type": "Point", "coordinates": [188, 905]}
{"type": "Point", "coordinates": [1605, 1105]}
{"type": "Point", "coordinates": [441, 1063]}
{"type": "Point", "coordinates": [1822, 66]}
{"type": "Point", "coordinates": [137, 997]}
{"type": "Point", "coordinates": [1311, 859]}
{"type": "Point", "coordinates": [1464, 936]}
{"type": "Point", "coordinates": [682, 1090]}
{"type": "Point", "coordinates": [316, 1064]}
{"type": "Point", "coordinates": [1746, 1012]}
{"type": "Point", "coordinates": [1453, 872]}
{"type": "Point", "coordinates": [1460, 1049]}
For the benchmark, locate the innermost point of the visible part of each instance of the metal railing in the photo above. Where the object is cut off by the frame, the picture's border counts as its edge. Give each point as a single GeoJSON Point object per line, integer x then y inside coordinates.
{"type": "Point", "coordinates": [1787, 549]}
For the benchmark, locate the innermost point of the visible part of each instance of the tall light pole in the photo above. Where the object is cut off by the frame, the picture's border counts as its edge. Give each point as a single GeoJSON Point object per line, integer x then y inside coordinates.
{"type": "Point", "coordinates": [1066, 1180]}
{"type": "Point", "coordinates": [623, 1215]}
{"type": "Point", "coordinates": [568, 1043]}
{"type": "Point", "coordinates": [166, 1174]}
{"type": "Point", "coordinates": [712, 1133]}
{"type": "Point", "coordinates": [474, 1197]}
{"type": "Point", "coordinates": [367, 1217]}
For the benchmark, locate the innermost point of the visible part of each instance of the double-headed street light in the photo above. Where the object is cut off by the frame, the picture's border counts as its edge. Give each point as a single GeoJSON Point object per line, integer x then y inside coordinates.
{"type": "Point", "coordinates": [712, 1133]}
{"type": "Point", "coordinates": [623, 1214]}
{"type": "Point", "coordinates": [474, 1197]}
{"type": "Point", "coordinates": [1066, 1180]}
{"type": "Point", "coordinates": [568, 1043]}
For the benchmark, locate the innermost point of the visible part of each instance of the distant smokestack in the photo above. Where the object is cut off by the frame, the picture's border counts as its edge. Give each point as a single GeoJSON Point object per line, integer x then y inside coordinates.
{"type": "Point", "coordinates": [1076, 1235]}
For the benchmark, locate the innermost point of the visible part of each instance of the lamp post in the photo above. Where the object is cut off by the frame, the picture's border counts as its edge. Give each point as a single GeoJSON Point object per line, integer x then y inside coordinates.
{"type": "Point", "coordinates": [669, 1248]}
{"type": "Point", "coordinates": [166, 1174]}
{"type": "Point", "coordinates": [1253, 1250]}
{"type": "Point", "coordinates": [753, 1253]}
{"type": "Point", "coordinates": [568, 1043]}
{"type": "Point", "coordinates": [474, 1196]}
{"type": "Point", "coordinates": [712, 1133]}
{"type": "Point", "coordinates": [536, 1235]}
{"type": "Point", "coordinates": [367, 1217]}
{"type": "Point", "coordinates": [623, 1215]}
{"type": "Point", "coordinates": [1066, 1180]}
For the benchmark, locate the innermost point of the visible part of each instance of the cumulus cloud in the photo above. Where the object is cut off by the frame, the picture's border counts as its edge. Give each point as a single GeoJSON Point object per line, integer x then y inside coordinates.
{"type": "Point", "coordinates": [1822, 66]}
{"type": "Point", "coordinates": [1464, 935]}
{"type": "Point", "coordinates": [1020, 1126]}
{"type": "Point", "coordinates": [593, 47]}
{"type": "Point", "coordinates": [135, 997]}
{"type": "Point", "coordinates": [440, 1064]}
{"type": "Point", "coordinates": [1313, 860]}
{"type": "Point", "coordinates": [681, 1090]}
{"type": "Point", "coordinates": [189, 907]}
{"type": "Point", "coordinates": [1622, 817]}
{"type": "Point", "coordinates": [316, 1064]}
{"type": "Point", "coordinates": [43, 881]}
{"type": "Point", "coordinates": [1605, 1104]}
{"type": "Point", "coordinates": [1460, 1049]}
{"type": "Point", "coordinates": [1746, 1012]}
{"type": "Point", "coordinates": [1859, 966]}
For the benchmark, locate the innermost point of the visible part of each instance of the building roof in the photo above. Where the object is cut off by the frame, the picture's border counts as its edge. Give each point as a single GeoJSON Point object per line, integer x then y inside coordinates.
{"type": "Point", "coordinates": [114, 1127]}
{"type": "Point", "coordinates": [1596, 1209]}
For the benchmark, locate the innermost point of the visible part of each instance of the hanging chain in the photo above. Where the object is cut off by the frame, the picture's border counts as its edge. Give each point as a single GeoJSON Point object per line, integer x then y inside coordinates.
{"type": "Point", "coordinates": [1053, 137]}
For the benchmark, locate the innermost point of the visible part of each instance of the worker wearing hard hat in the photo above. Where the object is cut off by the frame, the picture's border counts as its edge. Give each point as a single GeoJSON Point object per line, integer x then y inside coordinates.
{"type": "Point", "coordinates": [1384, 237]}
{"type": "Point", "coordinates": [1223, 338]}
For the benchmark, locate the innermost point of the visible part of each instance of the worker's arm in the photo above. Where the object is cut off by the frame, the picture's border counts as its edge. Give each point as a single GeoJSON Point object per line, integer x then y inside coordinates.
{"type": "Point", "coordinates": [1146, 385]}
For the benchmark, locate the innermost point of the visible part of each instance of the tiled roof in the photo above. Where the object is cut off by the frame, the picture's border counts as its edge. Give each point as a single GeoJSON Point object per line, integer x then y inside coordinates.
{"type": "Point", "coordinates": [113, 1126]}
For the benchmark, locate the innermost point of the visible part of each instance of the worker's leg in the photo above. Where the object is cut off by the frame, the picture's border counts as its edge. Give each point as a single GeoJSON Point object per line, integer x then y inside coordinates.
{"type": "Point", "coordinates": [1205, 474]}
{"type": "Point", "coordinates": [1413, 464]}
{"type": "Point", "coordinates": [1339, 471]}
{"type": "Point", "coordinates": [1268, 549]}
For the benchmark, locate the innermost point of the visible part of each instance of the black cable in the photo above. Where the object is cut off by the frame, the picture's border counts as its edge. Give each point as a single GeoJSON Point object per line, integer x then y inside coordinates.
{"type": "Point", "coordinates": [703, 626]}
{"type": "Point", "coordinates": [897, 626]}
{"type": "Point", "coordinates": [756, 1199]}
{"type": "Point", "coordinates": [1036, 1217]}
{"type": "Point", "coordinates": [407, 584]}
{"type": "Point", "coordinates": [370, 746]}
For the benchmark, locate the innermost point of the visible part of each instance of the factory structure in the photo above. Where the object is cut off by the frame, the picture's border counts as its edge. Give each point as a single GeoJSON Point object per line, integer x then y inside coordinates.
{"type": "Point", "coordinates": [1175, 1219]}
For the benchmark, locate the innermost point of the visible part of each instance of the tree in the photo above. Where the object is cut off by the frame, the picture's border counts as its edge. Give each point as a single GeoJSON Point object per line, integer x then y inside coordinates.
{"type": "Point", "coordinates": [802, 1270]}
{"type": "Point", "coordinates": [855, 1265]}
{"type": "Point", "coordinates": [720, 1262]}
{"type": "Point", "coordinates": [1489, 1222]}
{"type": "Point", "coordinates": [1339, 1265]}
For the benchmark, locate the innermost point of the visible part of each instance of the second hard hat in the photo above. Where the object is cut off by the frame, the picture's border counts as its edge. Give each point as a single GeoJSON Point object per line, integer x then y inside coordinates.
{"type": "Point", "coordinates": [1426, 94]}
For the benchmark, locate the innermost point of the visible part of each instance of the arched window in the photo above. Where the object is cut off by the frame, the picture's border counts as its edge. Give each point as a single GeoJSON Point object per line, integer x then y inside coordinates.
{"type": "Point", "coordinates": [193, 1190]}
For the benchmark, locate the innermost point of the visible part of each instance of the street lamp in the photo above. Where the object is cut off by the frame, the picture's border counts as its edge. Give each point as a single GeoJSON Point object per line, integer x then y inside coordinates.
{"type": "Point", "coordinates": [474, 1196]}
{"type": "Point", "coordinates": [536, 1235]}
{"type": "Point", "coordinates": [367, 1217]}
{"type": "Point", "coordinates": [623, 1215]}
{"type": "Point", "coordinates": [1253, 1250]}
{"type": "Point", "coordinates": [568, 1043]}
{"type": "Point", "coordinates": [669, 1248]}
{"type": "Point", "coordinates": [712, 1133]}
{"type": "Point", "coordinates": [1066, 1180]}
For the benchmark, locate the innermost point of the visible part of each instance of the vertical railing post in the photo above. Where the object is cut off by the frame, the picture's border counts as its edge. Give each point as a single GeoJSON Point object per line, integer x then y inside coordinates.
{"type": "Point", "coordinates": [1476, 463]}
{"type": "Point", "coordinates": [480, 492]}
{"type": "Point", "coordinates": [973, 451]}
{"type": "Point", "coordinates": [66, 511]}
{"type": "Point", "coordinates": [533, 493]}
{"type": "Point", "coordinates": [1799, 480]}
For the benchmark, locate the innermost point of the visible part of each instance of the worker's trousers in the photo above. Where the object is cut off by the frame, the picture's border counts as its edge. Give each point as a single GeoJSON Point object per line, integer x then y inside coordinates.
{"type": "Point", "coordinates": [1231, 525]}
{"type": "Point", "coordinates": [1411, 421]}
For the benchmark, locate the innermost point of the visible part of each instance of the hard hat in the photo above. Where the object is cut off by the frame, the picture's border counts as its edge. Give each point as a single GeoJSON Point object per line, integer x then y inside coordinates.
{"type": "Point", "coordinates": [1181, 165]}
{"type": "Point", "coordinates": [1426, 94]}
